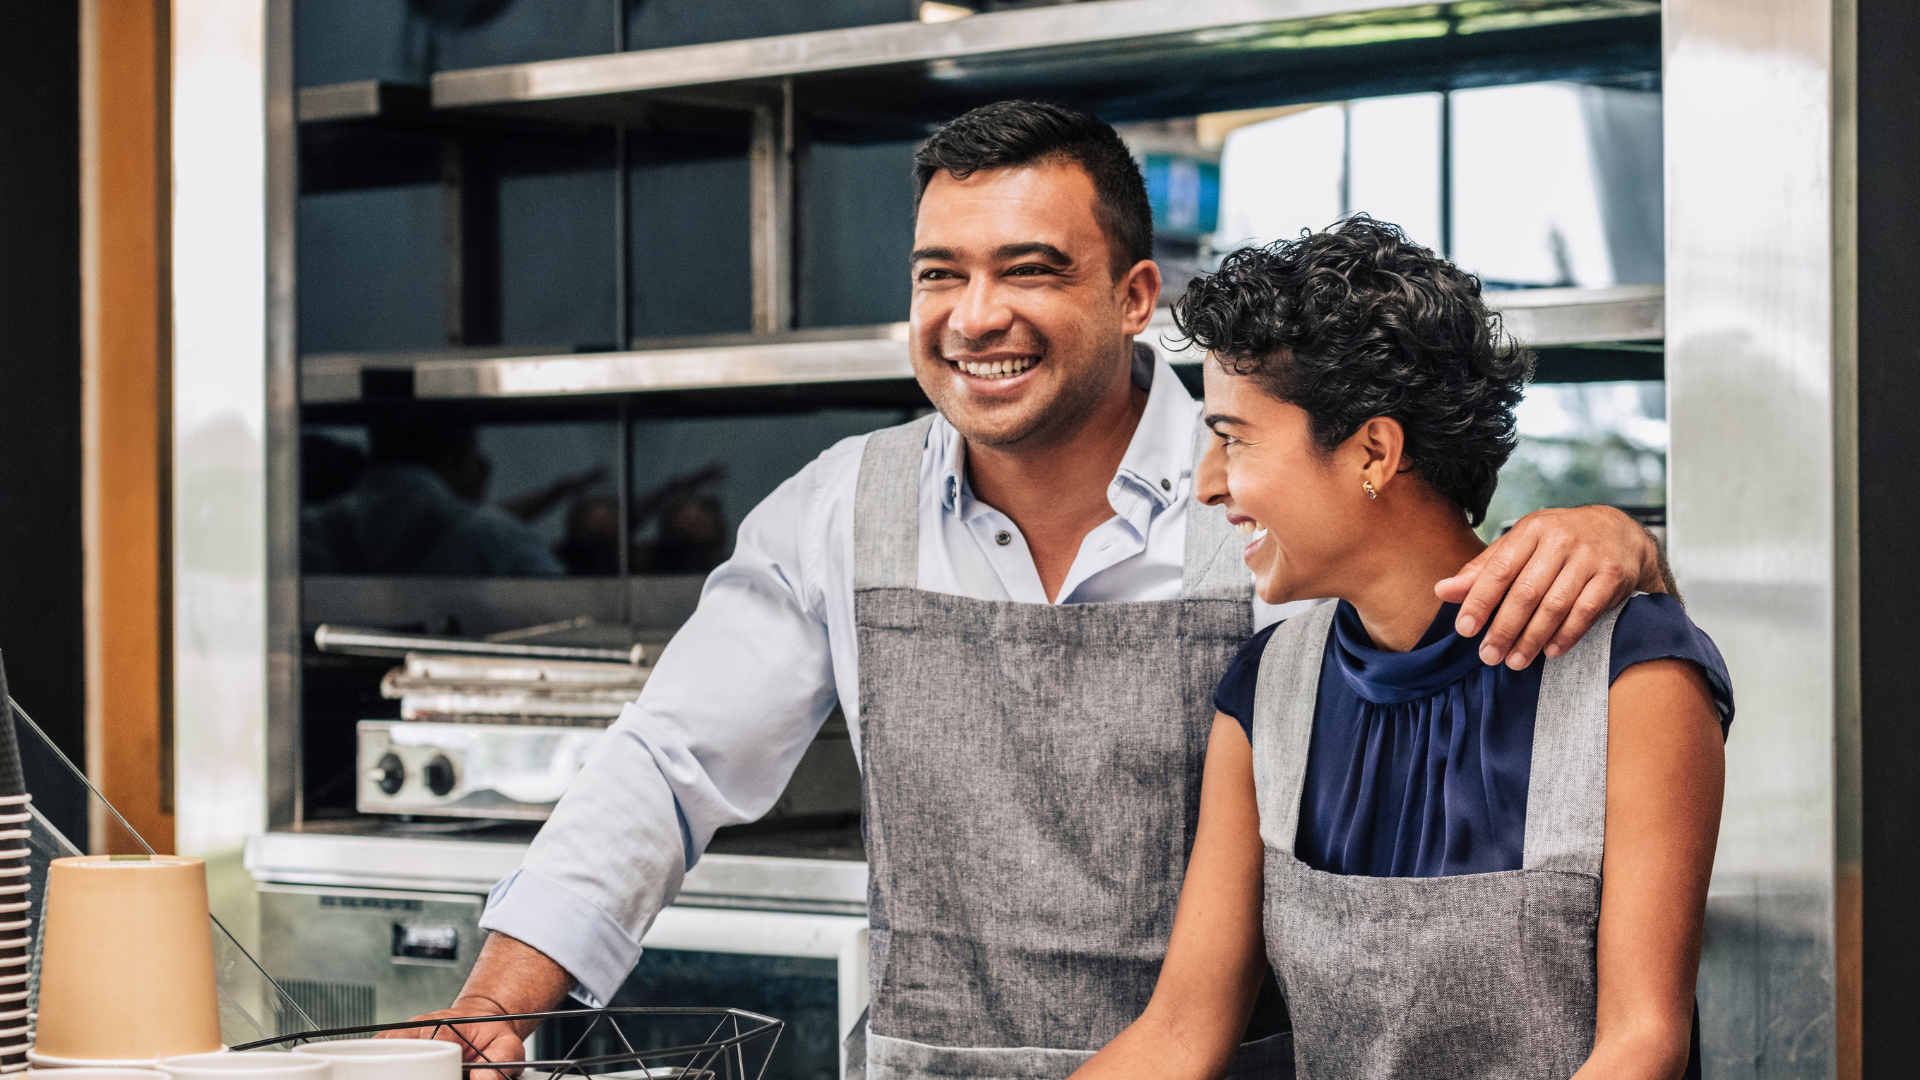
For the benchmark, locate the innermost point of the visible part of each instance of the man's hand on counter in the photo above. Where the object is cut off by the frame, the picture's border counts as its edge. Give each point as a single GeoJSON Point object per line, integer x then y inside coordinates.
{"type": "Point", "coordinates": [509, 978]}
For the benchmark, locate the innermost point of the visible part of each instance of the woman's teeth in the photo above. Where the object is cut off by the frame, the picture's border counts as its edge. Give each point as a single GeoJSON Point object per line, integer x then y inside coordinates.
{"type": "Point", "coordinates": [998, 369]}
{"type": "Point", "coordinates": [1249, 527]}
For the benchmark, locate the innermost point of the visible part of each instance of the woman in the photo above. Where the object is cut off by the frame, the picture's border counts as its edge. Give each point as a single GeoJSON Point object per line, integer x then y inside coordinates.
{"type": "Point", "coordinates": [1428, 831]}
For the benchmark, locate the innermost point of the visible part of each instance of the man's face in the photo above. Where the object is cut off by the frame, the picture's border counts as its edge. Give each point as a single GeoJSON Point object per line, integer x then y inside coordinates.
{"type": "Point", "coordinates": [1019, 328]}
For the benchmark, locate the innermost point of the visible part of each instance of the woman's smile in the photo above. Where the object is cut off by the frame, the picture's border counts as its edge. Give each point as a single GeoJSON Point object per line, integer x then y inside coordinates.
{"type": "Point", "coordinates": [1247, 526]}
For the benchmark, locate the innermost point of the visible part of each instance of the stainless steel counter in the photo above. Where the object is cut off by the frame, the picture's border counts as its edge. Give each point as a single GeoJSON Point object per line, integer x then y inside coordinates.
{"type": "Point", "coordinates": [472, 866]}
{"type": "Point", "coordinates": [361, 928]}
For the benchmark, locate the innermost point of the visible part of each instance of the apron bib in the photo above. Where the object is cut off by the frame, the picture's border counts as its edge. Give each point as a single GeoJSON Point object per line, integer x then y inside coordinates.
{"type": "Point", "coordinates": [1475, 977]}
{"type": "Point", "coordinates": [1031, 784]}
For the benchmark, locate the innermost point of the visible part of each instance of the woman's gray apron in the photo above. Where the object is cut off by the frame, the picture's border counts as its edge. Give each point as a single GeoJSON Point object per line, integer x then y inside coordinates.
{"type": "Point", "coordinates": [1481, 976]}
{"type": "Point", "coordinates": [1032, 782]}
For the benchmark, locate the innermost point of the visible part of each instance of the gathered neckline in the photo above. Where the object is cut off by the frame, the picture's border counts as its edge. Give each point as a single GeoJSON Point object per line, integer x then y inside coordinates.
{"type": "Point", "coordinates": [1440, 659]}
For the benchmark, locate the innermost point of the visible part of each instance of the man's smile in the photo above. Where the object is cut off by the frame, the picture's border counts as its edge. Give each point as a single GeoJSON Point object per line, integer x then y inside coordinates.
{"type": "Point", "coordinates": [994, 368]}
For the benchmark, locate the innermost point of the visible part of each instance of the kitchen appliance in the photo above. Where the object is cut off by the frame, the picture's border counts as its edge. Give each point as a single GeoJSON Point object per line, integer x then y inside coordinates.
{"type": "Point", "coordinates": [506, 771]}
{"type": "Point", "coordinates": [498, 729]}
{"type": "Point", "coordinates": [368, 929]}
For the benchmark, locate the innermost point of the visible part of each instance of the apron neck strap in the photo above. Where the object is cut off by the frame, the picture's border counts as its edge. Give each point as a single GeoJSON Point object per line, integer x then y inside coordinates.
{"type": "Point", "coordinates": [886, 507]}
{"type": "Point", "coordinates": [1214, 570]}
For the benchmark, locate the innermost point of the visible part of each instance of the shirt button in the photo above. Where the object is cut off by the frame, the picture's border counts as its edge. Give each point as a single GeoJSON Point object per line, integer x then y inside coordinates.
{"type": "Point", "coordinates": [1166, 484]}
{"type": "Point", "coordinates": [1003, 538]}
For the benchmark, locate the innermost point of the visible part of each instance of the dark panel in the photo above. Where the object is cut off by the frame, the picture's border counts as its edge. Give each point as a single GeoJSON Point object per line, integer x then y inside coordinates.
{"type": "Point", "coordinates": [408, 40]}
{"type": "Point", "coordinates": [372, 269]}
{"type": "Point", "coordinates": [1889, 397]}
{"type": "Point", "coordinates": [1600, 363]}
{"type": "Point", "coordinates": [856, 227]}
{"type": "Point", "coordinates": [659, 24]}
{"type": "Point", "coordinates": [692, 259]}
{"type": "Point", "coordinates": [40, 555]}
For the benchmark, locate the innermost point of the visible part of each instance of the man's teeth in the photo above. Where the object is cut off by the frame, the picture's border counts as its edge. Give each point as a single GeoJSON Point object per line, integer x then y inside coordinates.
{"type": "Point", "coordinates": [1248, 528]}
{"type": "Point", "coordinates": [998, 369]}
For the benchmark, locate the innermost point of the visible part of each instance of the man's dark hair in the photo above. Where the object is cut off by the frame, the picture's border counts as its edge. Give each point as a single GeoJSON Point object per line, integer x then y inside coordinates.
{"type": "Point", "coordinates": [1358, 322]}
{"type": "Point", "coordinates": [1008, 134]}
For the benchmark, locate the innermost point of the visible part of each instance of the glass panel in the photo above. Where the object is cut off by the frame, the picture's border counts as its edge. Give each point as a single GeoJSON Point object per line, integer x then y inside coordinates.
{"type": "Point", "coordinates": [1584, 443]}
{"type": "Point", "coordinates": [1280, 176]}
{"type": "Point", "coordinates": [1557, 184]}
{"type": "Point", "coordinates": [556, 258]}
{"type": "Point", "coordinates": [372, 263]}
{"type": "Point", "coordinates": [417, 493]}
{"type": "Point", "coordinates": [690, 204]}
{"type": "Point", "coordinates": [694, 479]}
{"type": "Point", "coordinates": [252, 1006]}
{"type": "Point", "coordinates": [803, 992]}
{"type": "Point", "coordinates": [855, 229]}
{"type": "Point", "coordinates": [1553, 183]}
{"type": "Point", "coordinates": [1393, 163]}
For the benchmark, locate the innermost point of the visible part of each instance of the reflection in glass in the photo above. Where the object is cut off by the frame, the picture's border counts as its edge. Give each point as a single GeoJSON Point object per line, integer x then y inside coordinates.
{"type": "Point", "coordinates": [1582, 443]}
{"type": "Point", "coordinates": [415, 494]}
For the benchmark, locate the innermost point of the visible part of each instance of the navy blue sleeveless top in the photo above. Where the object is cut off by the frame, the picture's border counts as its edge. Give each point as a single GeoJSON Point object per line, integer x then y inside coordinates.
{"type": "Point", "coordinates": [1418, 762]}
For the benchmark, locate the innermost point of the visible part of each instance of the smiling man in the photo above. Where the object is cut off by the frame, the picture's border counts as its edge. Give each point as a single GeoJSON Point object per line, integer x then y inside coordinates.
{"type": "Point", "coordinates": [1022, 611]}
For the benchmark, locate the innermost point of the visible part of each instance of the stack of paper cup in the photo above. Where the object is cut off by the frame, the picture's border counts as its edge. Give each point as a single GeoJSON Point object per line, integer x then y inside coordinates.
{"type": "Point", "coordinates": [126, 968]}
{"type": "Point", "coordinates": [16, 927]}
{"type": "Point", "coordinates": [389, 1059]}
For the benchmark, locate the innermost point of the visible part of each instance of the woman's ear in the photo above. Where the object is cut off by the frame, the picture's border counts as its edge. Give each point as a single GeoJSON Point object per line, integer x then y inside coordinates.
{"type": "Point", "coordinates": [1380, 444]}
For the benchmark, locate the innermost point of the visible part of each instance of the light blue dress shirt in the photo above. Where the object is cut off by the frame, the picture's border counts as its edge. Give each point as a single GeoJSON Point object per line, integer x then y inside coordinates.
{"type": "Point", "coordinates": [746, 683]}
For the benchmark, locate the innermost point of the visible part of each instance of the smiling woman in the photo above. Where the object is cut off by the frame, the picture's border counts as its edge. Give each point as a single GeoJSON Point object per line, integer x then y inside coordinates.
{"type": "Point", "coordinates": [1371, 787]}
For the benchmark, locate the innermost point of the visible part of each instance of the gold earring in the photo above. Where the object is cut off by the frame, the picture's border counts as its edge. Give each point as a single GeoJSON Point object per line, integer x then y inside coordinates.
{"type": "Point", "coordinates": [1371, 494]}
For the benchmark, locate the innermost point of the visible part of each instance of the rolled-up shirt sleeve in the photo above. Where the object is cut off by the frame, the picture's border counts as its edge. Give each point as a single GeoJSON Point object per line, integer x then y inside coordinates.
{"type": "Point", "coordinates": [712, 740]}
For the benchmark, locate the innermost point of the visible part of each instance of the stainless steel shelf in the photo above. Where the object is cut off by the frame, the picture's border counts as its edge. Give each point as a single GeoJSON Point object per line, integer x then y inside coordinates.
{"type": "Point", "coordinates": [1117, 49]}
{"type": "Point", "coordinates": [369, 99]}
{"type": "Point", "coordinates": [1540, 317]}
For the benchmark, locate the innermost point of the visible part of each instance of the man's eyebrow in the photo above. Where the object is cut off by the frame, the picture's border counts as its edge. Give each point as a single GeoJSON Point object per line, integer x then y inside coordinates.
{"type": "Point", "coordinates": [1010, 252]}
{"type": "Point", "coordinates": [937, 253]}
{"type": "Point", "coordinates": [1215, 419]}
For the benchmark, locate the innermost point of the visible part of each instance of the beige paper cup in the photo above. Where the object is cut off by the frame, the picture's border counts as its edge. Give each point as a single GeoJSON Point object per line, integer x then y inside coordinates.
{"type": "Point", "coordinates": [245, 1065]}
{"type": "Point", "coordinates": [389, 1059]}
{"type": "Point", "coordinates": [126, 971]}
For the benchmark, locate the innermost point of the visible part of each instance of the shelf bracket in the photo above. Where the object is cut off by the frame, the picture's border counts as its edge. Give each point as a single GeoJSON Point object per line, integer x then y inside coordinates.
{"type": "Point", "coordinates": [772, 165]}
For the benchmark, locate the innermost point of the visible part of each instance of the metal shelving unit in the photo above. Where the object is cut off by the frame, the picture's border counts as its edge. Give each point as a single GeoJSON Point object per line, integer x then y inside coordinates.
{"type": "Point", "coordinates": [1124, 59]}
{"type": "Point", "coordinates": [777, 98]}
{"type": "Point", "coordinates": [1129, 58]}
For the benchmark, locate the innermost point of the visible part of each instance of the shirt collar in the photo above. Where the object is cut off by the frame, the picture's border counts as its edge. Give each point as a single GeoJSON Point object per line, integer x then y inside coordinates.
{"type": "Point", "coordinates": [1158, 459]}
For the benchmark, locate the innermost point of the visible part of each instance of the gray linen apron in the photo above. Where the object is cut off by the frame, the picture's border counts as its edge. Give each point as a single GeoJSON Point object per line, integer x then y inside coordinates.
{"type": "Point", "coordinates": [1481, 976]}
{"type": "Point", "coordinates": [1031, 785]}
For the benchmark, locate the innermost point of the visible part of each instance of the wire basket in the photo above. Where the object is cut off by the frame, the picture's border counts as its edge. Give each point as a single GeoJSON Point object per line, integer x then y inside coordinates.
{"type": "Point", "coordinates": [657, 1043]}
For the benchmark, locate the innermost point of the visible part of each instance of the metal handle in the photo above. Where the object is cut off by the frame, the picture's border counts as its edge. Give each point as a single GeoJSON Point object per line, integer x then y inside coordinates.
{"type": "Point", "coordinates": [356, 642]}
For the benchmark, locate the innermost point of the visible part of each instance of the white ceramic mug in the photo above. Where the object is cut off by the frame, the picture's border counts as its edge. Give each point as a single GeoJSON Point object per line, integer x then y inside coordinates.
{"type": "Point", "coordinates": [95, 1074]}
{"type": "Point", "coordinates": [243, 1065]}
{"type": "Point", "coordinates": [390, 1059]}
{"type": "Point", "coordinates": [85, 1073]}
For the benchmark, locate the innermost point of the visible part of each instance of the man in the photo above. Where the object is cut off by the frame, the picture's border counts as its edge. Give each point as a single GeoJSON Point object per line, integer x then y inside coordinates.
{"type": "Point", "coordinates": [1022, 611]}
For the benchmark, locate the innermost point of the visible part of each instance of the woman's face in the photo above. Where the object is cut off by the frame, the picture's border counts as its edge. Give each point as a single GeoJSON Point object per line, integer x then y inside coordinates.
{"type": "Point", "coordinates": [1303, 513]}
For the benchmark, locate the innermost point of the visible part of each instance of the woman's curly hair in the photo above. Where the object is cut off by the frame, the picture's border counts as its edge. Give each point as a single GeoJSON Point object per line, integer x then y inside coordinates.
{"type": "Point", "coordinates": [1358, 322]}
